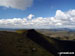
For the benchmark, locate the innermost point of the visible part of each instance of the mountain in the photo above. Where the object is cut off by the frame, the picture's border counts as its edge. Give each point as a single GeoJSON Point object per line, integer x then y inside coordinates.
{"type": "Point", "coordinates": [19, 44]}
{"type": "Point", "coordinates": [31, 43]}
{"type": "Point", "coordinates": [63, 29]}
{"type": "Point", "coordinates": [58, 29]}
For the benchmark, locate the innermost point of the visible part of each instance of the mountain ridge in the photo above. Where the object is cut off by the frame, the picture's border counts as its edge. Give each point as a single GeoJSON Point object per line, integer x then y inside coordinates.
{"type": "Point", "coordinates": [31, 43]}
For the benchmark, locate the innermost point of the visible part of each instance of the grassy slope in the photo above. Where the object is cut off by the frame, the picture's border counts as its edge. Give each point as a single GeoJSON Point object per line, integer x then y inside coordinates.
{"type": "Point", "coordinates": [50, 44]}
{"type": "Point", "coordinates": [14, 44]}
{"type": "Point", "coordinates": [61, 35]}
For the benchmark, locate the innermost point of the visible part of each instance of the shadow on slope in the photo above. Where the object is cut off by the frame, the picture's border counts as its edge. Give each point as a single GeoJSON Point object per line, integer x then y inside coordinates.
{"type": "Point", "coordinates": [59, 46]}
{"type": "Point", "coordinates": [30, 43]}
{"type": "Point", "coordinates": [39, 39]}
{"type": "Point", "coordinates": [15, 44]}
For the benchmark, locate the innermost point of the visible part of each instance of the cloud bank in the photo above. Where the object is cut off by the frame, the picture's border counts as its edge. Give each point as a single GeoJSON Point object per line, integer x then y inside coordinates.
{"type": "Point", "coordinates": [18, 4]}
{"type": "Point", "coordinates": [61, 19]}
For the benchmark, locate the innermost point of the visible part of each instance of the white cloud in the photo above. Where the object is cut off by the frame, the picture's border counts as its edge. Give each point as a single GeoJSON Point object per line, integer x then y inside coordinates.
{"type": "Point", "coordinates": [61, 19]}
{"type": "Point", "coordinates": [18, 4]}
{"type": "Point", "coordinates": [30, 16]}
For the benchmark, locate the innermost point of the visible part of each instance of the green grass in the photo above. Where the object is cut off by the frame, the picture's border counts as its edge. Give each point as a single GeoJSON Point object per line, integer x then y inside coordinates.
{"type": "Point", "coordinates": [14, 44]}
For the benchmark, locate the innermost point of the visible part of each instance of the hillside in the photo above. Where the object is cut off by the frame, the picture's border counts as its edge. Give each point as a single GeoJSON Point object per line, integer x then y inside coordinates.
{"type": "Point", "coordinates": [59, 34]}
{"type": "Point", "coordinates": [17, 44]}
{"type": "Point", "coordinates": [32, 43]}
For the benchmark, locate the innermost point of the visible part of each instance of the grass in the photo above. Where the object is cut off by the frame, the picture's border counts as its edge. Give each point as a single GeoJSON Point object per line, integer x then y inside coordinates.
{"type": "Point", "coordinates": [14, 44]}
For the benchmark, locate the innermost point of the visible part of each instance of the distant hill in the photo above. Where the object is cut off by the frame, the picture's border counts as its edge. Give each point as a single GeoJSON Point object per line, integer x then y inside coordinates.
{"type": "Point", "coordinates": [31, 43]}
{"type": "Point", "coordinates": [53, 29]}
{"type": "Point", "coordinates": [59, 29]}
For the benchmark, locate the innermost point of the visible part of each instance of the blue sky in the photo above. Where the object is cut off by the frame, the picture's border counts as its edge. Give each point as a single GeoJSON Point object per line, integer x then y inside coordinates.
{"type": "Point", "coordinates": [43, 8]}
{"type": "Point", "coordinates": [20, 9]}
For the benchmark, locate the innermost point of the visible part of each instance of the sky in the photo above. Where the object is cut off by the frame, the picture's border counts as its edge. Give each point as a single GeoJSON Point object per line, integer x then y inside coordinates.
{"type": "Point", "coordinates": [37, 14]}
